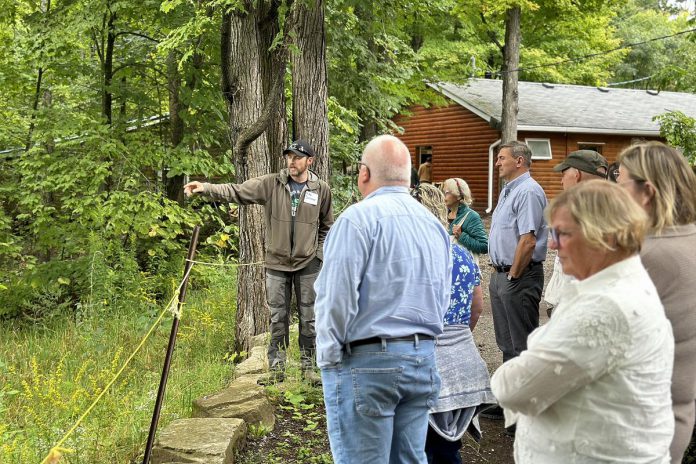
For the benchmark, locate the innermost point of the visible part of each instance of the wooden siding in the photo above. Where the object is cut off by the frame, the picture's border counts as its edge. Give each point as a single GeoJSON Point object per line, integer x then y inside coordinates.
{"type": "Point", "coordinates": [459, 140]}
{"type": "Point", "coordinates": [562, 144]}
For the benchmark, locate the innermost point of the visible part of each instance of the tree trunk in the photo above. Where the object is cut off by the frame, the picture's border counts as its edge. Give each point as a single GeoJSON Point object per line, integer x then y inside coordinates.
{"type": "Point", "coordinates": [108, 71]}
{"type": "Point", "coordinates": [511, 61]}
{"type": "Point", "coordinates": [309, 82]}
{"type": "Point", "coordinates": [174, 185]}
{"type": "Point", "coordinates": [273, 64]}
{"type": "Point", "coordinates": [45, 10]}
{"type": "Point", "coordinates": [243, 92]}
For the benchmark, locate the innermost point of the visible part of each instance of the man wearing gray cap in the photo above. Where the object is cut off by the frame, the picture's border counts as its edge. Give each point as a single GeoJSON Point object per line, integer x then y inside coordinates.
{"type": "Point", "coordinates": [582, 165]}
{"type": "Point", "coordinates": [298, 216]}
{"type": "Point", "coordinates": [579, 166]}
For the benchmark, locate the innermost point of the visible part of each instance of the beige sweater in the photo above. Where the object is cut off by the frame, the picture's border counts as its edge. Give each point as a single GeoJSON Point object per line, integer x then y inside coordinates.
{"type": "Point", "coordinates": [670, 259]}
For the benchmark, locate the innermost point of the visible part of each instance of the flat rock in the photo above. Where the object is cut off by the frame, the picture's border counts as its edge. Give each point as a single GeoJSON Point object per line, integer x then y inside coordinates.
{"type": "Point", "coordinates": [256, 363]}
{"type": "Point", "coordinates": [242, 400]}
{"type": "Point", "coordinates": [249, 379]}
{"type": "Point", "coordinates": [199, 441]}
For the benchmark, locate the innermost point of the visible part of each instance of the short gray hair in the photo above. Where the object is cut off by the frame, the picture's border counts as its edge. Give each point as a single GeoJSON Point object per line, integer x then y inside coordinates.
{"type": "Point", "coordinates": [519, 150]}
{"type": "Point", "coordinates": [459, 188]}
{"type": "Point", "coordinates": [389, 160]}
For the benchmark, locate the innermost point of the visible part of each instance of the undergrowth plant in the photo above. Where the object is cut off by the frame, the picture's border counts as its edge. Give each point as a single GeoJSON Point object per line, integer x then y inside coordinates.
{"type": "Point", "coordinates": [50, 373]}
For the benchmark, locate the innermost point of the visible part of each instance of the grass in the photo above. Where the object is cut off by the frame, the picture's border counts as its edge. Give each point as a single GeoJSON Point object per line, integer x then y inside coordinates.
{"type": "Point", "coordinates": [50, 373]}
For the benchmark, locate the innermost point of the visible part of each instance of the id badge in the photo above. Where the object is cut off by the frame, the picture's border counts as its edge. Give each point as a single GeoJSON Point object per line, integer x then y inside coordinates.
{"type": "Point", "coordinates": [311, 198]}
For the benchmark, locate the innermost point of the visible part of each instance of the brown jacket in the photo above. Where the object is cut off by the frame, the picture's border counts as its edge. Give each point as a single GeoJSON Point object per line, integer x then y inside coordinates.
{"type": "Point", "coordinates": [290, 244]}
{"type": "Point", "coordinates": [671, 263]}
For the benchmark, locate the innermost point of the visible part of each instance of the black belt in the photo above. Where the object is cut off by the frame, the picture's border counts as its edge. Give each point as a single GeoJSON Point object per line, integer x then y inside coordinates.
{"type": "Point", "coordinates": [378, 340]}
{"type": "Point", "coordinates": [507, 268]}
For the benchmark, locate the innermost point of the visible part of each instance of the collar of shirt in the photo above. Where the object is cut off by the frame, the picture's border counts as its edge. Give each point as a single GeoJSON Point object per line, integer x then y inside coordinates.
{"type": "Point", "coordinates": [517, 181]}
{"type": "Point", "coordinates": [598, 281]}
{"type": "Point", "coordinates": [387, 189]}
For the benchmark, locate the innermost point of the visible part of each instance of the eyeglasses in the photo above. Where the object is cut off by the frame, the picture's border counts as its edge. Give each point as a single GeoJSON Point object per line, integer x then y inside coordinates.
{"type": "Point", "coordinates": [557, 233]}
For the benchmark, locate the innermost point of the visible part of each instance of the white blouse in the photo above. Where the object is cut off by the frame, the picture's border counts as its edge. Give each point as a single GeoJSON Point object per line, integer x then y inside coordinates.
{"type": "Point", "coordinates": [594, 383]}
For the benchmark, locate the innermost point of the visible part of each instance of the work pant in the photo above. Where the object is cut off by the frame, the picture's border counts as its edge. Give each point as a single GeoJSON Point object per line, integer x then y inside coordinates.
{"type": "Point", "coordinates": [515, 306]}
{"type": "Point", "coordinates": [279, 285]}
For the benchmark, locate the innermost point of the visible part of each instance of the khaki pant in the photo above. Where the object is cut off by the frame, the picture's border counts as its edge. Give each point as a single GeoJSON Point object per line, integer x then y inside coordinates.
{"type": "Point", "coordinates": [279, 285]}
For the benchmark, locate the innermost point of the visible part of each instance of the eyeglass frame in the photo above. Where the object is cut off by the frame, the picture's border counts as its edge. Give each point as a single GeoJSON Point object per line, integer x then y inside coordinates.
{"type": "Point", "coordinates": [556, 235]}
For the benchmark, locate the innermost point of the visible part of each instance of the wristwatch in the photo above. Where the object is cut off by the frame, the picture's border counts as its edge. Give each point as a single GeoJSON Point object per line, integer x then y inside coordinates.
{"type": "Point", "coordinates": [509, 277]}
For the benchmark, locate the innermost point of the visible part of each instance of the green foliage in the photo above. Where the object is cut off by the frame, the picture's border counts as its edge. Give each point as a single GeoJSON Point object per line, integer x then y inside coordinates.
{"type": "Point", "coordinates": [668, 64]}
{"type": "Point", "coordinates": [680, 131]}
{"type": "Point", "coordinates": [51, 372]}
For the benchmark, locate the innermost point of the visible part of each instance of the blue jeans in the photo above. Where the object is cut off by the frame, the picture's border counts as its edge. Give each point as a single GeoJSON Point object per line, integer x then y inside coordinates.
{"type": "Point", "coordinates": [377, 401]}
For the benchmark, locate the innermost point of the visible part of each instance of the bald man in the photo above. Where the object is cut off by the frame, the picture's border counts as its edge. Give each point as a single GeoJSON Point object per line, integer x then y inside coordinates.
{"type": "Point", "coordinates": [381, 299]}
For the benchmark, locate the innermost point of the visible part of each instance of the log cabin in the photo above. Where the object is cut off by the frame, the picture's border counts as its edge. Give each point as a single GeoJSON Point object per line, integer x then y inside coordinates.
{"type": "Point", "coordinates": [554, 120]}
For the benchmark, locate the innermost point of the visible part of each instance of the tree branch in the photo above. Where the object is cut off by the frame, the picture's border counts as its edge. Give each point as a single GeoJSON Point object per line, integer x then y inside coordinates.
{"type": "Point", "coordinates": [491, 34]}
{"type": "Point", "coordinates": [137, 34]}
{"type": "Point", "coordinates": [252, 132]}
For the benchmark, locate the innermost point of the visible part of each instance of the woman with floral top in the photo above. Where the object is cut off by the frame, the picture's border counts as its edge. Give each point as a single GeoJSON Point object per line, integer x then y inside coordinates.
{"type": "Point", "coordinates": [465, 380]}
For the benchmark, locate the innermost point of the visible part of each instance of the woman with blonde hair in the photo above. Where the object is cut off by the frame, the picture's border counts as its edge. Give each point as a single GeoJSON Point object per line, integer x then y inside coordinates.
{"type": "Point", "coordinates": [465, 380]}
{"type": "Point", "coordinates": [659, 178]}
{"type": "Point", "coordinates": [593, 385]}
{"type": "Point", "coordinates": [465, 224]}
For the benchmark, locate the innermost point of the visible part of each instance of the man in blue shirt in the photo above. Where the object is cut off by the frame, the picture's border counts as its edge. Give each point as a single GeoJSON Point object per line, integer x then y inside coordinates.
{"type": "Point", "coordinates": [517, 248]}
{"type": "Point", "coordinates": [381, 298]}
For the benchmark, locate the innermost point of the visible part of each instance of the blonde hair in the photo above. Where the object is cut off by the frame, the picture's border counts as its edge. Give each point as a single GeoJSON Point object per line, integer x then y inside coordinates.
{"type": "Point", "coordinates": [433, 199]}
{"type": "Point", "coordinates": [459, 188]}
{"type": "Point", "coordinates": [607, 215]}
{"type": "Point", "coordinates": [674, 202]}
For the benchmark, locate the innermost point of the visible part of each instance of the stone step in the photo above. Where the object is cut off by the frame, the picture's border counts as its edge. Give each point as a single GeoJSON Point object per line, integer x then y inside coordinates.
{"type": "Point", "coordinates": [199, 441]}
{"type": "Point", "coordinates": [242, 399]}
{"type": "Point", "coordinates": [256, 363]}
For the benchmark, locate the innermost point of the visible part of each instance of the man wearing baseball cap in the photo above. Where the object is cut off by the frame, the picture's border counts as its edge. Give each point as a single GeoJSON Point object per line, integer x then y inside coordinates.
{"type": "Point", "coordinates": [298, 211]}
{"type": "Point", "coordinates": [582, 165]}
{"type": "Point", "coordinates": [579, 166]}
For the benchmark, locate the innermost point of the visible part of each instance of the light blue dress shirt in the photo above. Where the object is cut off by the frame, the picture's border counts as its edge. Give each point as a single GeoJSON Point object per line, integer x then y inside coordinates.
{"type": "Point", "coordinates": [386, 273]}
{"type": "Point", "coordinates": [520, 210]}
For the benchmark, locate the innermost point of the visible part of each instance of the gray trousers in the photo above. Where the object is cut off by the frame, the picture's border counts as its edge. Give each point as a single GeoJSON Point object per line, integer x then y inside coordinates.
{"type": "Point", "coordinates": [515, 306]}
{"type": "Point", "coordinates": [279, 287]}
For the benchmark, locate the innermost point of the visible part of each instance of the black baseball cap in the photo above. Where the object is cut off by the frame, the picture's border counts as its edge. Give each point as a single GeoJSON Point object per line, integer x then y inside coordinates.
{"type": "Point", "coordinates": [299, 147]}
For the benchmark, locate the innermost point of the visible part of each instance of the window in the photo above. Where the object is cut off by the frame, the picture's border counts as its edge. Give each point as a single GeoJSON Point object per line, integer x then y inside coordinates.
{"type": "Point", "coordinates": [594, 146]}
{"type": "Point", "coordinates": [541, 148]}
{"type": "Point", "coordinates": [423, 153]}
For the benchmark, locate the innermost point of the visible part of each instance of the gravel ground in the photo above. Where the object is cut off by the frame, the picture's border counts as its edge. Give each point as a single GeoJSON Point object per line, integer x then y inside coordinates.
{"type": "Point", "coordinates": [495, 446]}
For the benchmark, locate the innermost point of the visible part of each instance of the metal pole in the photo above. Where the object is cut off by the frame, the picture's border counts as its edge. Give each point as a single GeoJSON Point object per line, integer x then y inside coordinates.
{"type": "Point", "coordinates": [170, 348]}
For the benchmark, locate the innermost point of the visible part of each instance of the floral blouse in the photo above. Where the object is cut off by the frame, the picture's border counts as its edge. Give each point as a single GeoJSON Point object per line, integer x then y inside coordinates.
{"type": "Point", "coordinates": [465, 276]}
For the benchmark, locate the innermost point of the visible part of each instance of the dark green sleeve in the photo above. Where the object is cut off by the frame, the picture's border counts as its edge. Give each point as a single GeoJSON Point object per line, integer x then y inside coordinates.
{"type": "Point", "coordinates": [474, 236]}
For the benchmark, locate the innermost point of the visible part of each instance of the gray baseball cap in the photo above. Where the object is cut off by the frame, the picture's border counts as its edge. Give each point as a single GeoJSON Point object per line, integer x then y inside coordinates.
{"type": "Point", "coordinates": [584, 160]}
